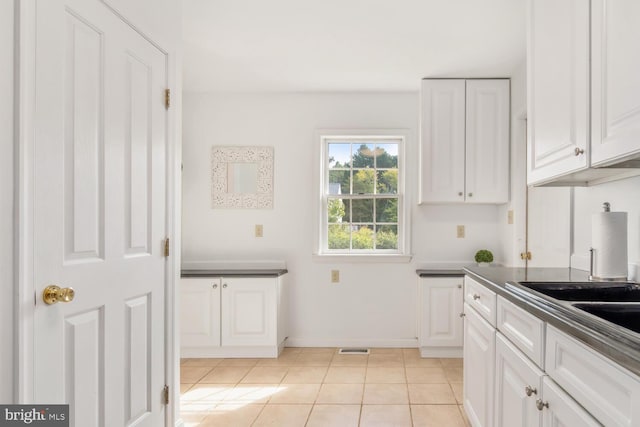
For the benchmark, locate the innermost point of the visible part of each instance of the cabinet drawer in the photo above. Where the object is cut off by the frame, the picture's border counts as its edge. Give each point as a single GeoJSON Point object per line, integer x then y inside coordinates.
{"type": "Point", "coordinates": [523, 329]}
{"type": "Point", "coordinates": [480, 298]}
{"type": "Point", "coordinates": [610, 393]}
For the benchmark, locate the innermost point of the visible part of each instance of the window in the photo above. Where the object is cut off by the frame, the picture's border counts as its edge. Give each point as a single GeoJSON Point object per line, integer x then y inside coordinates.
{"type": "Point", "coordinates": [362, 207]}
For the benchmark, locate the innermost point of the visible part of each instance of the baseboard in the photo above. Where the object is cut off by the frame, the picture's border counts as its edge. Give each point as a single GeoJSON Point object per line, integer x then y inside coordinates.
{"type": "Point", "coordinates": [359, 342]}
{"type": "Point", "coordinates": [440, 352]}
{"type": "Point", "coordinates": [231, 351]}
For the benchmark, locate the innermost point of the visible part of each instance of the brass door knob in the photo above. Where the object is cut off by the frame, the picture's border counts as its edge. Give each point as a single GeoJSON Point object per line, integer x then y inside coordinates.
{"type": "Point", "coordinates": [53, 294]}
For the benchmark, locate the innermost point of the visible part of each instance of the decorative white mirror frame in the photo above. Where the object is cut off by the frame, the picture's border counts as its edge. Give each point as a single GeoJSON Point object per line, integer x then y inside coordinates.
{"type": "Point", "coordinates": [224, 197]}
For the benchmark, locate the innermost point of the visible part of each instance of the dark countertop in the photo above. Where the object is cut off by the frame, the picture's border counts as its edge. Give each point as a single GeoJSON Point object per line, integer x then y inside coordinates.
{"type": "Point", "coordinates": [430, 272]}
{"type": "Point", "coordinates": [276, 272]}
{"type": "Point", "coordinates": [617, 343]}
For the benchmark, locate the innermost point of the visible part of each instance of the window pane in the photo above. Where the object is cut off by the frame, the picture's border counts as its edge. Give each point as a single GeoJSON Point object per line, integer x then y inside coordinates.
{"type": "Point", "coordinates": [339, 182]}
{"type": "Point", "coordinates": [363, 155]}
{"type": "Point", "coordinates": [362, 210]}
{"type": "Point", "coordinates": [387, 237]}
{"type": "Point", "coordinates": [339, 155]}
{"type": "Point", "coordinates": [388, 181]}
{"type": "Point", "coordinates": [387, 210]}
{"type": "Point", "coordinates": [363, 237]}
{"type": "Point", "coordinates": [338, 210]}
{"type": "Point", "coordinates": [364, 181]}
{"type": "Point", "coordinates": [387, 155]}
{"type": "Point", "coordinates": [338, 237]}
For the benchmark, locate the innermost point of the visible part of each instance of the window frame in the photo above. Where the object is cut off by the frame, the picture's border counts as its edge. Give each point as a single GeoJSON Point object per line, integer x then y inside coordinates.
{"type": "Point", "coordinates": [397, 136]}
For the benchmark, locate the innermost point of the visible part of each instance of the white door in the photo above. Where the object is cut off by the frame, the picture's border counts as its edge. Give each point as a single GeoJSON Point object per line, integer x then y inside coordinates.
{"type": "Point", "coordinates": [442, 139]}
{"type": "Point", "coordinates": [479, 367]}
{"type": "Point", "coordinates": [487, 141]}
{"type": "Point", "coordinates": [615, 80]}
{"type": "Point", "coordinates": [557, 88]}
{"type": "Point", "coordinates": [560, 410]}
{"type": "Point", "coordinates": [99, 215]}
{"type": "Point", "coordinates": [249, 311]}
{"type": "Point", "coordinates": [200, 312]}
{"type": "Point", "coordinates": [441, 324]}
{"type": "Point", "coordinates": [518, 385]}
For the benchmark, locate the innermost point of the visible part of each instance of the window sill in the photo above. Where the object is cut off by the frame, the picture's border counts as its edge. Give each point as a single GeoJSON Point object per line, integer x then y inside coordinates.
{"type": "Point", "coordinates": [368, 258]}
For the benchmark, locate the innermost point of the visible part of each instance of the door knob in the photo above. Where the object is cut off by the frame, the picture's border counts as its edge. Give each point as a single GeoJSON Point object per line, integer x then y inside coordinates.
{"type": "Point", "coordinates": [53, 294]}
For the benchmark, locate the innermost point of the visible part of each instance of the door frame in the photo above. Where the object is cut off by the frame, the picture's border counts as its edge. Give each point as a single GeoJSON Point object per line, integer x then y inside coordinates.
{"type": "Point", "coordinates": [26, 292]}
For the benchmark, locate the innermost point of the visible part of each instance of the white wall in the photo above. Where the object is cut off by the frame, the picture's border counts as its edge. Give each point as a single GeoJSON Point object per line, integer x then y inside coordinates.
{"type": "Point", "coordinates": [624, 195]}
{"type": "Point", "coordinates": [375, 303]}
{"type": "Point", "coordinates": [512, 236]}
{"type": "Point", "coordinates": [6, 201]}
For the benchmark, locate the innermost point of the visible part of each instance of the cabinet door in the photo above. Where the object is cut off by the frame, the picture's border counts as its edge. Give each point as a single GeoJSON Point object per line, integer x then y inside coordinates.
{"type": "Point", "coordinates": [557, 88]}
{"type": "Point", "coordinates": [487, 141]}
{"type": "Point", "coordinates": [615, 80]}
{"type": "Point", "coordinates": [479, 368]}
{"type": "Point", "coordinates": [442, 131]}
{"type": "Point", "coordinates": [199, 312]}
{"type": "Point", "coordinates": [249, 311]}
{"type": "Point", "coordinates": [561, 410]}
{"type": "Point", "coordinates": [518, 385]}
{"type": "Point", "coordinates": [441, 324]}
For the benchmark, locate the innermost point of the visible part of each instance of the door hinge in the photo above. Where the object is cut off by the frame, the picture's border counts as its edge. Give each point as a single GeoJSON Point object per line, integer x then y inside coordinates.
{"type": "Point", "coordinates": [166, 247]}
{"type": "Point", "coordinates": [167, 98]}
{"type": "Point", "coordinates": [525, 255]}
{"type": "Point", "coordinates": [165, 395]}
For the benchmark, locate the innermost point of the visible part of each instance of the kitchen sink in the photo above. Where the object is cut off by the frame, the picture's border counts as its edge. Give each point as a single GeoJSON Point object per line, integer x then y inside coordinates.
{"type": "Point", "coordinates": [625, 315]}
{"type": "Point", "coordinates": [587, 291]}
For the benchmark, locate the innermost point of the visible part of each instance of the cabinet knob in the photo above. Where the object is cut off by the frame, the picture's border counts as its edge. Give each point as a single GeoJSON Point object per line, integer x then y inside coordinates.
{"type": "Point", "coordinates": [215, 286]}
{"type": "Point", "coordinates": [541, 405]}
{"type": "Point", "coordinates": [460, 193]}
{"type": "Point", "coordinates": [530, 390]}
{"type": "Point", "coordinates": [224, 285]}
{"type": "Point", "coordinates": [578, 151]}
{"type": "Point", "coordinates": [459, 286]}
{"type": "Point", "coordinates": [470, 194]}
{"type": "Point", "coordinates": [462, 314]}
{"type": "Point", "coordinates": [476, 297]}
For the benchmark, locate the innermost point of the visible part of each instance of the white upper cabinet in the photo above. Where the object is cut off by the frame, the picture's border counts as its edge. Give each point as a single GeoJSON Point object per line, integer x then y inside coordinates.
{"type": "Point", "coordinates": [583, 94]}
{"type": "Point", "coordinates": [464, 141]}
{"type": "Point", "coordinates": [558, 88]}
{"type": "Point", "coordinates": [487, 148]}
{"type": "Point", "coordinates": [443, 139]}
{"type": "Point", "coordinates": [615, 81]}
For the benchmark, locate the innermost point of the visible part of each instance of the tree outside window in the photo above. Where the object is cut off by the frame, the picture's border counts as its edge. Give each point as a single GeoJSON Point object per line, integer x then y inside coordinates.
{"type": "Point", "coordinates": [362, 194]}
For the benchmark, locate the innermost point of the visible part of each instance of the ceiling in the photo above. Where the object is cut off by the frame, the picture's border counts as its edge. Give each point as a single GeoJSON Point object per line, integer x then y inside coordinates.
{"type": "Point", "coordinates": [347, 45]}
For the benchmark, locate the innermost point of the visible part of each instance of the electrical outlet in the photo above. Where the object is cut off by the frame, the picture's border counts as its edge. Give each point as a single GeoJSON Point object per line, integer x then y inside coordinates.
{"type": "Point", "coordinates": [460, 231]}
{"type": "Point", "coordinates": [258, 230]}
{"type": "Point", "coordinates": [510, 216]}
{"type": "Point", "coordinates": [335, 276]}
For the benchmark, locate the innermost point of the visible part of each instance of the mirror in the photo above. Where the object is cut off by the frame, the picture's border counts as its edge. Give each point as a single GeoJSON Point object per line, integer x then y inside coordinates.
{"type": "Point", "coordinates": [242, 177]}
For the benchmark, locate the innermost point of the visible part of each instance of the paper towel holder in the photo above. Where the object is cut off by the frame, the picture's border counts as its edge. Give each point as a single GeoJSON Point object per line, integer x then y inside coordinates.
{"type": "Point", "coordinates": [606, 207]}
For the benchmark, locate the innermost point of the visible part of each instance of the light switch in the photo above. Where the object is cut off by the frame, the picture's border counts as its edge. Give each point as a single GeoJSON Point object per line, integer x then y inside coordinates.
{"type": "Point", "coordinates": [460, 232]}
{"type": "Point", "coordinates": [258, 230]}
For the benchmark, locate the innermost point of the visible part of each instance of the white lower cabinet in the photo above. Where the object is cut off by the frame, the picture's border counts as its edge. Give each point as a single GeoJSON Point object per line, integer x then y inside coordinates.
{"type": "Point", "coordinates": [232, 317]}
{"type": "Point", "coordinates": [559, 409]}
{"type": "Point", "coordinates": [248, 312]}
{"type": "Point", "coordinates": [518, 385]}
{"type": "Point", "coordinates": [440, 320]}
{"type": "Point", "coordinates": [479, 368]}
{"type": "Point", "coordinates": [200, 312]}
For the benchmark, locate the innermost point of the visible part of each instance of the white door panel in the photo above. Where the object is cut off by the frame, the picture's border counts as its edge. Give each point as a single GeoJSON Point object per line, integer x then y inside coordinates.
{"type": "Point", "coordinates": [99, 215]}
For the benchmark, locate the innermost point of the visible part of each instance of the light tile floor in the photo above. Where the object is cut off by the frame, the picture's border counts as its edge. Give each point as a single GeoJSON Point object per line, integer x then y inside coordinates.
{"type": "Point", "coordinates": [319, 387]}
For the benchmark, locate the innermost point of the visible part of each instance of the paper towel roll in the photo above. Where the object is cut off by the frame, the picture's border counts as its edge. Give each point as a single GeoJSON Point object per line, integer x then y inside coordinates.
{"type": "Point", "coordinates": [609, 241]}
